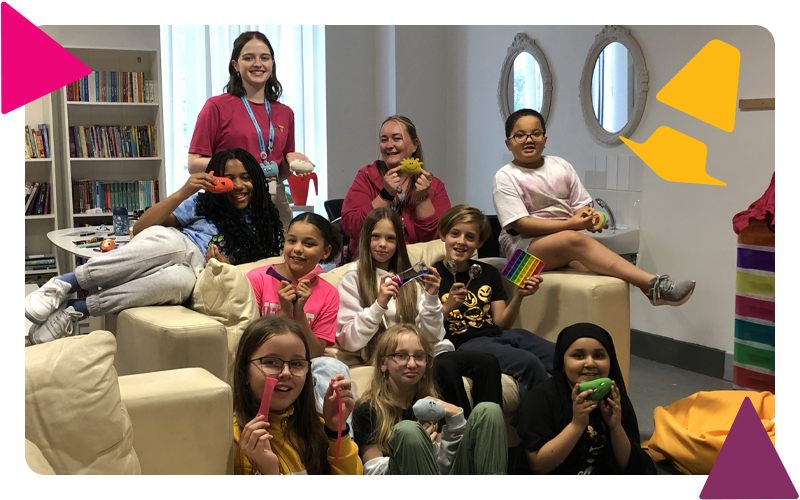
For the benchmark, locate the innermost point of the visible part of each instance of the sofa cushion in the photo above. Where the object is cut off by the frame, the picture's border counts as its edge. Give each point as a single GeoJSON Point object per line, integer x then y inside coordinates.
{"type": "Point", "coordinates": [73, 411]}
{"type": "Point", "coordinates": [223, 293]}
{"type": "Point", "coordinates": [246, 268]}
{"type": "Point", "coordinates": [35, 460]}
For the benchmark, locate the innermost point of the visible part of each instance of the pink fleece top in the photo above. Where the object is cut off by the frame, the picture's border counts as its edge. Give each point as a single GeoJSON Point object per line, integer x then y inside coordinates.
{"type": "Point", "coordinates": [357, 205]}
{"type": "Point", "coordinates": [321, 309]}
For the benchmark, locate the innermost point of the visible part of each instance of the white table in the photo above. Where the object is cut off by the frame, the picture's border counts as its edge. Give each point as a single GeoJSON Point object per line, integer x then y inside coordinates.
{"type": "Point", "coordinates": [64, 238]}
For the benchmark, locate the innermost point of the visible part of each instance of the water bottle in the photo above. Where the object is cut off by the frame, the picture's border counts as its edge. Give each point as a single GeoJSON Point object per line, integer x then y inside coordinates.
{"type": "Point", "coordinates": [120, 217]}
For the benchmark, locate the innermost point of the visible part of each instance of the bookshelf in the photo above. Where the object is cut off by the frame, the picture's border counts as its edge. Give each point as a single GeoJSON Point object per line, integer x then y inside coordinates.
{"type": "Point", "coordinates": [109, 169]}
{"type": "Point", "coordinates": [41, 170]}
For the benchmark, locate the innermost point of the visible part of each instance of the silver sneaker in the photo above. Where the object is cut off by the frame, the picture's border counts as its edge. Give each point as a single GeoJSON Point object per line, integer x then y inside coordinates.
{"type": "Point", "coordinates": [59, 324]}
{"type": "Point", "coordinates": [666, 291]}
{"type": "Point", "coordinates": [39, 305]}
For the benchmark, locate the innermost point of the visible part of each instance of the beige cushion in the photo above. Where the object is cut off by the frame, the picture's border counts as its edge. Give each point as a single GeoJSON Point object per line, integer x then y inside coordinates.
{"type": "Point", "coordinates": [429, 252]}
{"type": "Point", "coordinates": [73, 411]}
{"type": "Point", "coordinates": [35, 460]}
{"type": "Point", "coordinates": [223, 293]}
{"type": "Point", "coordinates": [181, 421]}
{"type": "Point", "coordinates": [246, 268]}
{"type": "Point", "coordinates": [568, 297]}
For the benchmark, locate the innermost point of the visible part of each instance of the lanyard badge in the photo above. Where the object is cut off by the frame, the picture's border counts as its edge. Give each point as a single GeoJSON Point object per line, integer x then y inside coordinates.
{"type": "Point", "coordinates": [270, 168]}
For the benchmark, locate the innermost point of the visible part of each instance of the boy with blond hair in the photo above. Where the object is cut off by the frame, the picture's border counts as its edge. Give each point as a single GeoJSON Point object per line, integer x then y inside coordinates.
{"type": "Point", "coordinates": [477, 317]}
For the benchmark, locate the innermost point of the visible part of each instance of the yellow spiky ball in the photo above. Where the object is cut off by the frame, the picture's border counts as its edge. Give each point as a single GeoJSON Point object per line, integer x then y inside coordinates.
{"type": "Point", "coordinates": [410, 166]}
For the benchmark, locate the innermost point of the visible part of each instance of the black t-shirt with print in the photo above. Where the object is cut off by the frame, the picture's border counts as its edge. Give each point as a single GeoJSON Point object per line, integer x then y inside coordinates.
{"type": "Point", "coordinates": [365, 421]}
{"type": "Point", "coordinates": [543, 417]}
{"type": "Point", "coordinates": [474, 318]}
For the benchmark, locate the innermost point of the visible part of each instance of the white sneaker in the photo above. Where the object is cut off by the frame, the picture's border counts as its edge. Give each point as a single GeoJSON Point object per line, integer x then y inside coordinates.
{"type": "Point", "coordinates": [59, 324]}
{"type": "Point", "coordinates": [39, 305]}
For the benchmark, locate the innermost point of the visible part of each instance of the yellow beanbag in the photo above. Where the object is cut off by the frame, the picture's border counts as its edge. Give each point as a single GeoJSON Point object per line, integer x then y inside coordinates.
{"type": "Point", "coordinates": [690, 432]}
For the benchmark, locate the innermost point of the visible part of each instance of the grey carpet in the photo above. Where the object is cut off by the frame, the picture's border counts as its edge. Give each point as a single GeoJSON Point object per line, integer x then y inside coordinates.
{"type": "Point", "coordinates": [655, 384]}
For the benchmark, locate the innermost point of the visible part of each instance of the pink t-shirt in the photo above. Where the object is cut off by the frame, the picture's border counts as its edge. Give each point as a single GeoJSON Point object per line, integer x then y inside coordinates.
{"type": "Point", "coordinates": [224, 123]}
{"type": "Point", "coordinates": [321, 308]}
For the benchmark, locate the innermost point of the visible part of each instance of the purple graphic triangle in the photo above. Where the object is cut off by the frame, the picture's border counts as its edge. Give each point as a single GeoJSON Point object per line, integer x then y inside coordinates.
{"type": "Point", "coordinates": [17, 37]}
{"type": "Point", "coordinates": [748, 465]}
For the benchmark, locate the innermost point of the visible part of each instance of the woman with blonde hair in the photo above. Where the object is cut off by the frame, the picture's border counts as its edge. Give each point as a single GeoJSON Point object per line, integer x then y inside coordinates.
{"type": "Point", "coordinates": [392, 441]}
{"type": "Point", "coordinates": [419, 199]}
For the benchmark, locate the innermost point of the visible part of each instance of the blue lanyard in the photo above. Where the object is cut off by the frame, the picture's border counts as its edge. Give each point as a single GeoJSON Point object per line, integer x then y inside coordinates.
{"type": "Point", "coordinates": [264, 154]}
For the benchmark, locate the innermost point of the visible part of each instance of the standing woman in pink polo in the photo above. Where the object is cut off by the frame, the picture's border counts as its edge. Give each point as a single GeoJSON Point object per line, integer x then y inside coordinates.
{"type": "Point", "coordinates": [419, 199]}
{"type": "Point", "coordinates": [250, 117]}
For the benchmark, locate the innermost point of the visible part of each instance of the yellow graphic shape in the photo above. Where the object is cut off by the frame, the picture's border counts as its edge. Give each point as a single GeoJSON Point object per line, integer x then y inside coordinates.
{"type": "Point", "coordinates": [706, 87]}
{"type": "Point", "coordinates": [674, 156]}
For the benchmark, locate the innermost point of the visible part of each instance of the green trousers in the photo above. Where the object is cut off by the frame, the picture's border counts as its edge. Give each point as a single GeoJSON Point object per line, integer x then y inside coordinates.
{"type": "Point", "coordinates": [482, 449]}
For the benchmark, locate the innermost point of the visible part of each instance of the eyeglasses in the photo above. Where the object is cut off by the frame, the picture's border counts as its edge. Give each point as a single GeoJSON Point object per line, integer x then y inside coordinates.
{"type": "Point", "coordinates": [521, 137]}
{"type": "Point", "coordinates": [274, 366]}
{"type": "Point", "coordinates": [402, 358]}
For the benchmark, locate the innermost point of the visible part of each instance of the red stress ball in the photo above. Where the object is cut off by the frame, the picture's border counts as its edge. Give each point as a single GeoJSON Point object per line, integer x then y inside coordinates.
{"type": "Point", "coordinates": [107, 245]}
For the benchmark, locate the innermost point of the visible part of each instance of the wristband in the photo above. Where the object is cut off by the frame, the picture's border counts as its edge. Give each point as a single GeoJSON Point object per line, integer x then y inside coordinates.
{"type": "Point", "coordinates": [333, 434]}
{"type": "Point", "coordinates": [386, 195]}
{"type": "Point", "coordinates": [422, 198]}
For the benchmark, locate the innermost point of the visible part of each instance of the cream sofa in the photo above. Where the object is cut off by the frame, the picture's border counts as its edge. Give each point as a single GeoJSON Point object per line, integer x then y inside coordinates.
{"type": "Point", "coordinates": [168, 337]}
{"type": "Point", "coordinates": [80, 418]}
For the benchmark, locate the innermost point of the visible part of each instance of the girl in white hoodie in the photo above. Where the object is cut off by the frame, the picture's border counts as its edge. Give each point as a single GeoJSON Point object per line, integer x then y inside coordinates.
{"type": "Point", "coordinates": [370, 302]}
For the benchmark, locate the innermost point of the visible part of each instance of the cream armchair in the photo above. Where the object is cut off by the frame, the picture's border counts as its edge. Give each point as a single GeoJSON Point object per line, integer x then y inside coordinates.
{"type": "Point", "coordinates": [169, 337]}
{"type": "Point", "coordinates": [80, 418]}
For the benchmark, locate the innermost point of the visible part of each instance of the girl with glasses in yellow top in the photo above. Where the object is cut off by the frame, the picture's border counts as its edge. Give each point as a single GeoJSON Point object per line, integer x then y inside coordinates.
{"type": "Point", "coordinates": [293, 438]}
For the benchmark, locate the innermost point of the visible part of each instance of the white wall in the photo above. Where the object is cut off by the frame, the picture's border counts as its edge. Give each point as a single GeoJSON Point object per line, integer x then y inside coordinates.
{"type": "Point", "coordinates": [446, 82]}
{"type": "Point", "coordinates": [113, 37]}
{"type": "Point", "coordinates": [352, 110]}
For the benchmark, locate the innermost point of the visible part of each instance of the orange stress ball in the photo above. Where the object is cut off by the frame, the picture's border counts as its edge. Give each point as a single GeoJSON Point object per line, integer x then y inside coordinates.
{"type": "Point", "coordinates": [107, 245]}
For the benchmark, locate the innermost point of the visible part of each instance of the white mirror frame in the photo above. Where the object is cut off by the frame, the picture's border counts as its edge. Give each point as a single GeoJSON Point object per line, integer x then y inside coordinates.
{"type": "Point", "coordinates": [522, 43]}
{"type": "Point", "coordinates": [609, 35]}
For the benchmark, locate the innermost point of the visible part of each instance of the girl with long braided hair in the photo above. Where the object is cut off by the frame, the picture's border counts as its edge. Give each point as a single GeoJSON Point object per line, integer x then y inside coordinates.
{"type": "Point", "coordinates": [171, 239]}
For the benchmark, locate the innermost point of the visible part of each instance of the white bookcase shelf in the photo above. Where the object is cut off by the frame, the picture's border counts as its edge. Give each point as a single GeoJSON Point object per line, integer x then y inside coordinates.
{"type": "Point", "coordinates": [61, 170]}
{"type": "Point", "coordinates": [42, 170]}
{"type": "Point", "coordinates": [88, 114]}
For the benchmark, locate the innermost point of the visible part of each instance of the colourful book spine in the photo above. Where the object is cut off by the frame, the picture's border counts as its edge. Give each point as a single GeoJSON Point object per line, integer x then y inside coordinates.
{"type": "Point", "coordinates": [39, 144]}
{"type": "Point", "coordinates": [45, 139]}
{"type": "Point", "coordinates": [39, 262]}
{"type": "Point", "coordinates": [92, 91]}
{"type": "Point", "coordinates": [47, 200]}
{"type": "Point", "coordinates": [28, 152]}
{"type": "Point", "coordinates": [140, 78]}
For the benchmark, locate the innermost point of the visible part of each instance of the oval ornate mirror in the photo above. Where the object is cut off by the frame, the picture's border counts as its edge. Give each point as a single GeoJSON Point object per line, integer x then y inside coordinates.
{"type": "Point", "coordinates": [525, 79]}
{"type": "Point", "coordinates": [614, 85]}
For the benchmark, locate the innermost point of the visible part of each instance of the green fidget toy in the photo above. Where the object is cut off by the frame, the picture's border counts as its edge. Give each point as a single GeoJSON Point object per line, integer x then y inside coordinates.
{"type": "Point", "coordinates": [599, 387]}
{"type": "Point", "coordinates": [599, 219]}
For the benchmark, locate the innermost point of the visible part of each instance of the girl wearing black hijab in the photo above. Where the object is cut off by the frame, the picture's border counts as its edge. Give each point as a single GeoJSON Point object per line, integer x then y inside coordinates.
{"type": "Point", "coordinates": [562, 431]}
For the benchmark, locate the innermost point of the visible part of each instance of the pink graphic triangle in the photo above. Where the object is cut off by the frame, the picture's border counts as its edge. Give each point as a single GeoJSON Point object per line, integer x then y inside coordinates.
{"type": "Point", "coordinates": [23, 45]}
{"type": "Point", "coordinates": [748, 465]}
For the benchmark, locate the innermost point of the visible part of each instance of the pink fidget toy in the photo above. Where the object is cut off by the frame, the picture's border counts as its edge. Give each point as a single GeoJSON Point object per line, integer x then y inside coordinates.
{"type": "Point", "coordinates": [266, 399]}
{"type": "Point", "coordinates": [522, 266]}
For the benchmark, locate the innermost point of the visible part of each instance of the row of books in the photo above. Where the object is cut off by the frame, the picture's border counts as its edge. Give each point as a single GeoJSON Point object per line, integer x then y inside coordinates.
{"type": "Point", "coordinates": [37, 198]}
{"type": "Point", "coordinates": [112, 141]}
{"type": "Point", "coordinates": [37, 141]}
{"type": "Point", "coordinates": [112, 86]}
{"type": "Point", "coordinates": [40, 262]}
{"type": "Point", "coordinates": [105, 195]}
